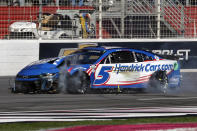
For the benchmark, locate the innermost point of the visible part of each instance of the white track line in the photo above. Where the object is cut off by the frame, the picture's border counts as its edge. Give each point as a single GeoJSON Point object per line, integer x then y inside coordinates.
{"type": "Point", "coordinates": [92, 115]}
{"type": "Point", "coordinates": [188, 70]}
{"type": "Point", "coordinates": [169, 98]}
{"type": "Point", "coordinates": [36, 120]}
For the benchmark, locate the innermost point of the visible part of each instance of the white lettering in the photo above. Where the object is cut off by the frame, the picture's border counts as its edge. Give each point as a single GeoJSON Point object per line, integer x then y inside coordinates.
{"type": "Point", "coordinates": [183, 53]}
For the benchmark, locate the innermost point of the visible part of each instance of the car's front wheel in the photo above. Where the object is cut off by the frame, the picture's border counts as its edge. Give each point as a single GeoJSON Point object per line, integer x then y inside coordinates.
{"type": "Point", "coordinates": [78, 83]}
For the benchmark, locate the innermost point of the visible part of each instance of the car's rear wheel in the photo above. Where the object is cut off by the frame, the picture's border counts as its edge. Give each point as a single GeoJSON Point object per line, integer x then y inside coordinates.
{"type": "Point", "coordinates": [163, 83]}
{"type": "Point", "coordinates": [159, 80]}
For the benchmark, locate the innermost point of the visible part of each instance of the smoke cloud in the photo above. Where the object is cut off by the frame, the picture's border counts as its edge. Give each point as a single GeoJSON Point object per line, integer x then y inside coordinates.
{"type": "Point", "coordinates": [64, 82]}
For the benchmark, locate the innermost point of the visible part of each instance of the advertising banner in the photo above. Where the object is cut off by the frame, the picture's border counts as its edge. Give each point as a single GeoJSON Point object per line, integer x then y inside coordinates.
{"type": "Point", "coordinates": [187, 51]}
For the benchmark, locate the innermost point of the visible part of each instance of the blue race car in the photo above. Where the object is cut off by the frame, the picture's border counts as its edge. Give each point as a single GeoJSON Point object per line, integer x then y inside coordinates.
{"type": "Point", "coordinates": [100, 68]}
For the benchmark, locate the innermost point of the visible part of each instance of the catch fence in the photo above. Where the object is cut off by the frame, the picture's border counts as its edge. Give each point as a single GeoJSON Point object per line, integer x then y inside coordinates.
{"type": "Point", "coordinates": [98, 19]}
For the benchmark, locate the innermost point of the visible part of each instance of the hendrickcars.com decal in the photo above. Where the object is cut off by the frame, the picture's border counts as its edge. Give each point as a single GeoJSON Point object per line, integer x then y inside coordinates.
{"type": "Point", "coordinates": [141, 67]}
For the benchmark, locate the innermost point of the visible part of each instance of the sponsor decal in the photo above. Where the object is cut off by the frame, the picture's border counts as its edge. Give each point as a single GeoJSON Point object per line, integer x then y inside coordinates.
{"type": "Point", "coordinates": [104, 76]}
{"type": "Point", "coordinates": [141, 68]}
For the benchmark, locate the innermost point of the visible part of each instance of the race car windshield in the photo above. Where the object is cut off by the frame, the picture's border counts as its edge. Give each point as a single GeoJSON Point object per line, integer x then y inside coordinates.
{"type": "Point", "coordinates": [85, 56]}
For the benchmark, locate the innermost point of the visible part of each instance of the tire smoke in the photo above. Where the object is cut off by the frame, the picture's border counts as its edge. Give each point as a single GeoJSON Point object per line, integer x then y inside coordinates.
{"type": "Point", "coordinates": [63, 82]}
{"type": "Point", "coordinates": [62, 78]}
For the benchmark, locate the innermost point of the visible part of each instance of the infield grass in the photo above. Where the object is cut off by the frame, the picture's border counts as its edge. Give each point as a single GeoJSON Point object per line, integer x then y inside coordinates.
{"type": "Point", "coordinates": [32, 126]}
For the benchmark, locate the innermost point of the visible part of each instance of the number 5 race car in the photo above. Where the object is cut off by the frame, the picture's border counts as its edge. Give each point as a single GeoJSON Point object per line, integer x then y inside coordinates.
{"type": "Point", "coordinates": [99, 68]}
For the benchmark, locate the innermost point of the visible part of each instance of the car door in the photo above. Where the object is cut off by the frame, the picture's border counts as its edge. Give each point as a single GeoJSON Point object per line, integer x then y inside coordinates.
{"type": "Point", "coordinates": [144, 61]}
{"type": "Point", "coordinates": [116, 70]}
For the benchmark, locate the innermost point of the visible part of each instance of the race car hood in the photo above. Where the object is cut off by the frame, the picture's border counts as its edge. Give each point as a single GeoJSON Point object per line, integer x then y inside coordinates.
{"type": "Point", "coordinates": [51, 66]}
{"type": "Point", "coordinates": [42, 67]}
{"type": "Point", "coordinates": [38, 69]}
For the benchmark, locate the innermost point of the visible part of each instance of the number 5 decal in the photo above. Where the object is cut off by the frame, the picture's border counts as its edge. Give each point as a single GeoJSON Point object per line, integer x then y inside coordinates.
{"type": "Point", "coordinates": [103, 75]}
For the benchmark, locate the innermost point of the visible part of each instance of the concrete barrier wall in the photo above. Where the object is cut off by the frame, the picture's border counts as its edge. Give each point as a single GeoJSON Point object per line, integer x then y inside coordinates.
{"type": "Point", "coordinates": [15, 54]}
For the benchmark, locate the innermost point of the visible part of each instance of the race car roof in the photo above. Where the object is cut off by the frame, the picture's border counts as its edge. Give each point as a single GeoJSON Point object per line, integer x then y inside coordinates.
{"type": "Point", "coordinates": [105, 48]}
{"type": "Point", "coordinates": [115, 48]}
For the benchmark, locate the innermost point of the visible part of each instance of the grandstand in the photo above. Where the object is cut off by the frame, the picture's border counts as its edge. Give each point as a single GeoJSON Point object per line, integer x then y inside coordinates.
{"type": "Point", "coordinates": [125, 19]}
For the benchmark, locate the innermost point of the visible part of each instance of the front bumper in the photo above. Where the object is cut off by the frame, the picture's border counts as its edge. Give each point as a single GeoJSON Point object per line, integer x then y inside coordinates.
{"type": "Point", "coordinates": [26, 84]}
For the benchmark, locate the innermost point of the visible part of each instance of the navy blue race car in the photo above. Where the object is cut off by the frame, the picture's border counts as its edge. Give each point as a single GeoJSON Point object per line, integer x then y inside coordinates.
{"type": "Point", "coordinates": [100, 68]}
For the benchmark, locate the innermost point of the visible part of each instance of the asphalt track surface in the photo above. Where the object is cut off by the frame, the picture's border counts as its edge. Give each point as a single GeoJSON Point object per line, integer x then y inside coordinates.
{"type": "Point", "coordinates": [186, 96]}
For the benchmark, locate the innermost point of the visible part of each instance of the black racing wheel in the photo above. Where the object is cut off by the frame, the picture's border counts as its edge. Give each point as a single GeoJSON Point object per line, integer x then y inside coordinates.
{"type": "Point", "coordinates": [159, 80]}
{"type": "Point", "coordinates": [79, 83]}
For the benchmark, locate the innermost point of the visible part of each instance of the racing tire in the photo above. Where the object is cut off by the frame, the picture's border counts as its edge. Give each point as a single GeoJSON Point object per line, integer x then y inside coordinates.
{"type": "Point", "coordinates": [160, 81]}
{"type": "Point", "coordinates": [79, 84]}
{"type": "Point", "coordinates": [163, 81]}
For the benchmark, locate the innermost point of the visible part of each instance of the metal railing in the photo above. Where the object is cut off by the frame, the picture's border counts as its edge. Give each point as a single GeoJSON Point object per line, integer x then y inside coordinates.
{"type": "Point", "coordinates": [125, 19]}
{"type": "Point", "coordinates": [173, 16]}
{"type": "Point", "coordinates": [140, 7]}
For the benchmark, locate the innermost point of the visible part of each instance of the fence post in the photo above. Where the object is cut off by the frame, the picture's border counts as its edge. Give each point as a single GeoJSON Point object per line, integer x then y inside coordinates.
{"type": "Point", "coordinates": [122, 17]}
{"type": "Point", "coordinates": [182, 21]}
{"type": "Point", "coordinates": [40, 15]}
{"type": "Point", "coordinates": [194, 28]}
{"type": "Point", "coordinates": [158, 4]}
{"type": "Point", "coordinates": [100, 19]}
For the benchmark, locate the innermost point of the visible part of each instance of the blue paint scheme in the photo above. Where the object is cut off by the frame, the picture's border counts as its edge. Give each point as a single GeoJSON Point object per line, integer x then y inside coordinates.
{"type": "Point", "coordinates": [76, 68]}
{"type": "Point", "coordinates": [140, 85]}
{"type": "Point", "coordinates": [174, 78]}
{"type": "Point", "coordinates": [37, 69]}
{"type": "Point", "coordinates": [47, 67]}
